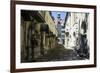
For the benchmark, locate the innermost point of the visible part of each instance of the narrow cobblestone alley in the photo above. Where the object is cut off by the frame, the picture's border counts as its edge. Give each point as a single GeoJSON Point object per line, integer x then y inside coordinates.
{"type": "Point", "coordinates": [54, 36]}
{"type": "Point", "coordinates": [58, 54]}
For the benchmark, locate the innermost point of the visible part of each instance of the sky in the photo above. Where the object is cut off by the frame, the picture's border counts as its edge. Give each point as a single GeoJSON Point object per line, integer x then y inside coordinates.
{"type": "Point", "coordinates": [55, 13]}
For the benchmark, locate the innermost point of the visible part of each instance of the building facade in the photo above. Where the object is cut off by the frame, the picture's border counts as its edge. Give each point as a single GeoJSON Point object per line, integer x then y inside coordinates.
{"type": "Point", "coordinates": [77, 24]}
{"type": "Point", "coordinates": [38, 34]}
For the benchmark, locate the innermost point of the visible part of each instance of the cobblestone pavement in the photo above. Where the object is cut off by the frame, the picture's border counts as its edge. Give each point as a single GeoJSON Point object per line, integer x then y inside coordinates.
{"type": "Point", "coordinates": [59, 54]}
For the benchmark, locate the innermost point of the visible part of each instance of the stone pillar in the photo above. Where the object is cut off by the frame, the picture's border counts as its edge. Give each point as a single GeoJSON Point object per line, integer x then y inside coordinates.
{"type": "Point", "coordinates": [42, 42]}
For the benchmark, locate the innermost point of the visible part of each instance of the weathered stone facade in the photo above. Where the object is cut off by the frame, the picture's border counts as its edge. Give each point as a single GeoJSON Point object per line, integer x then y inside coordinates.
{"type": "Point", "coordinates": [75, 24]}
{"type": "Point", "coordinates": [38, 34]}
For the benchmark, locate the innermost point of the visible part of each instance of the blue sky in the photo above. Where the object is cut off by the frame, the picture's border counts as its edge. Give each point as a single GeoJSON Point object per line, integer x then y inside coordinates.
{"type": "Point", "coordinates": [54, 14]}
